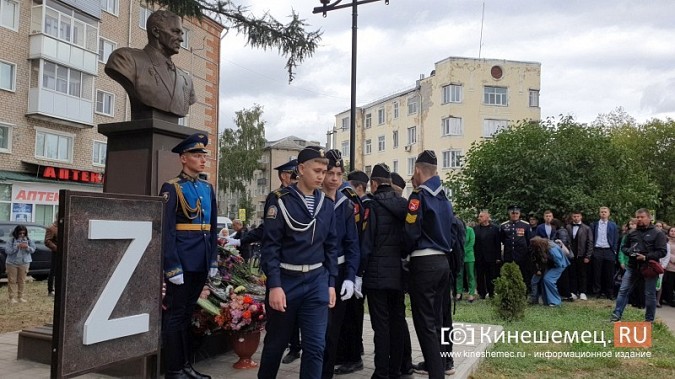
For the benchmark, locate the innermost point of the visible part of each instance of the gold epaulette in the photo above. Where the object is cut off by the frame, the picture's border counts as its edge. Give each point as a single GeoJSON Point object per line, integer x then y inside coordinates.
{"type": "Point", "coordinates": [280, 192]}
{"type": "Point", "coordinates": [505, 222]}
{"type": "Point", "coordinates": [173, 181]}
{"type": "Point", "coordinates": [350, 192]}
{"type": "Point", "coordinates": [188, 211]}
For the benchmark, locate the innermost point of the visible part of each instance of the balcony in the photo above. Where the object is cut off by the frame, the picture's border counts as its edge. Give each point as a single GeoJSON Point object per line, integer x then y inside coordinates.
{"type": "Point", "coordinates": [44, 103]}
{"type": "Point", "coordinates": [57, 51]}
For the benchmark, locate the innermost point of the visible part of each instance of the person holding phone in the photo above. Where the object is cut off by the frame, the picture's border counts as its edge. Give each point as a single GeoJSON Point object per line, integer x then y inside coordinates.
{"type": "Point", "coordinates": [20, 249]}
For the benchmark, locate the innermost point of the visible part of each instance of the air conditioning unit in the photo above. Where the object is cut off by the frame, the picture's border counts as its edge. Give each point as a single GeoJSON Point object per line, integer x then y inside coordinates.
{"type": "Point", "coordinates": [408, 147]}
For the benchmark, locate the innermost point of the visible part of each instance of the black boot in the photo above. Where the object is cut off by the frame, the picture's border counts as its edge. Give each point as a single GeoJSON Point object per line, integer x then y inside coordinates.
{"type": "Point", "coordinates": [180, 374]}
{"type": "Point", "coordinates": [192, 373]}
{"type": "Point", "coordinates": [187, 352]}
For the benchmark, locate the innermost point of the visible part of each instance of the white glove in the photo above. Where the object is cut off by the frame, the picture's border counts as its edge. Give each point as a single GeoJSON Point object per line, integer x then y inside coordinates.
{"type": "Point", "coordinates": [347, 290]}
{"type": "Point", "coordinates": [213, 272]}
{"type": "Point", "coordinates": [233, 242]}
{"type": "Point", "coordinates": [177, 280]}
{"type": "Point", "coordinates": [358, 291]}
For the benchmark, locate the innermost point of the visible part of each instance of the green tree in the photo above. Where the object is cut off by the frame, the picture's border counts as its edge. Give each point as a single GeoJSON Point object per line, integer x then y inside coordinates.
{"type": "Point", "coordinates": [241, 149]}
{"type": "Point", "coordinates": [562, 166]}
{"type": "Point", "coordinates": [291, 40]}
{"type": "Point", "coordinates": [651, 147]}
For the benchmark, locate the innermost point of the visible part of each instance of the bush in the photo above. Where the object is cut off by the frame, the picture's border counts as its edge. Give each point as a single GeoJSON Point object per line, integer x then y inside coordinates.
{"type": "Point", "coordinates": [509, 301]}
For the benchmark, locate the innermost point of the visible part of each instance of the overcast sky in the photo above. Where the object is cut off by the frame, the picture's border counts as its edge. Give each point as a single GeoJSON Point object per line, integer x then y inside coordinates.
{"type": "Point", "coordinates": [595, 56]}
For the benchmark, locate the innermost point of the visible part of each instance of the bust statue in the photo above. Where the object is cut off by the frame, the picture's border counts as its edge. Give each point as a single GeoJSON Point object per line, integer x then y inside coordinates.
{"type": "Point", "coordinates": [150, 78]}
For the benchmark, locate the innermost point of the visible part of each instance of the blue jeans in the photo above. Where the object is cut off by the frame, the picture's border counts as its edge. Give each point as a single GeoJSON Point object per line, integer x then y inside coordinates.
{"type": "Point", "coordinates": [630, 277]}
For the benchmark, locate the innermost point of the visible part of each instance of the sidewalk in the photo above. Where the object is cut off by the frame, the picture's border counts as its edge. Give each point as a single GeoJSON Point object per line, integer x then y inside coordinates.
{"type": "Point", "coordinates": [221, 367]}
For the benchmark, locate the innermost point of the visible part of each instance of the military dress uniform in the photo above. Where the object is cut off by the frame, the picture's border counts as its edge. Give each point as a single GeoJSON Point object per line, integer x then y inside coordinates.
{"type": "Point", "coordinates": [299, 255]}
{"type": "Point", "coordinates": [189, 249]}
{"type": "Point", "coordinates": [428, 236]}
{"type": "Point", "coordinates": [515, 236]}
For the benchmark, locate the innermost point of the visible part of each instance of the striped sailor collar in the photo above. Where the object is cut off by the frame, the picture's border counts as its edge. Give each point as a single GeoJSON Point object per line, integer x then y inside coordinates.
{"type": "Point", "coordinates": [432, 185]}
{"type": "Point", "coordinates": [318, 198]}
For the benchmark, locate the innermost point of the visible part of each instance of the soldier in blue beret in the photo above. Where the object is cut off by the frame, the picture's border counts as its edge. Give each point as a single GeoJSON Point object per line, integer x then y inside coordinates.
{"type": "Point", "coordinates": [189, 243]}
{"type": "Point", "coordinates": [299, 257]}
{"type": "Point", "coordinates": [429, 238]}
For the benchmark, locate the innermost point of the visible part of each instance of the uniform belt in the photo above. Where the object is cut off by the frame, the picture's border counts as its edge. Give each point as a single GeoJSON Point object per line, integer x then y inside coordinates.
{"type": "Point", "coordinates": [425, 252]}
{"type": "Point", "coordinates": [341, 259]}
{"type": "Point", "coordinates": [300, 268]}
{"type": "Point", "coordinates": [197, 227]}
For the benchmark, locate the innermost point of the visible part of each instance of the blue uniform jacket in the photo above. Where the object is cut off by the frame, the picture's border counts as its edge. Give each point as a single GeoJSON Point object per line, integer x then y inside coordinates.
{"type": "Point", "coordinates": [540, 231]}
{"type": "Point", "coordinates": [347, 235]}
{"type": "Point", "coordinates": [612, 234]}
{"type": "Point", "coordinates": [282, 244]}
{"type": "Point", "coordinates": [189, 250]}
{"type": "Point", "coordinates": [429, 218]}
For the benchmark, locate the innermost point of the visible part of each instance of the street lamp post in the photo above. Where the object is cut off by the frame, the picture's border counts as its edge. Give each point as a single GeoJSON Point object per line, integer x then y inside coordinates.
{"type": "Point", "coordinates": [324, 8]}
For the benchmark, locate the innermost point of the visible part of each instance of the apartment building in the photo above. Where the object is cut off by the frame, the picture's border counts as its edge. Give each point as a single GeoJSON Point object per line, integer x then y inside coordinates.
{"type": "Point", "coordinates": [462, 101]}
{"type": "Point", "coordinates": [54, 94]}
{"type": "Point", "coordinates": [265, 179]}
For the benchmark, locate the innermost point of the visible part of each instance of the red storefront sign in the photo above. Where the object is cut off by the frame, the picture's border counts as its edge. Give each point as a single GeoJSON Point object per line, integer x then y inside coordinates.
{"type": "Point", "coordinates": [71, 175]}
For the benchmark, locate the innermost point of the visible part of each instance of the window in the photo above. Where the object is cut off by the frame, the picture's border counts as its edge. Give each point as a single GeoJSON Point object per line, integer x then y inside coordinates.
{"type": "Point", "coordinates": [368, 148]}
{"type": "Point", "coordinates": [7, 76]}
{"type": "Point", "coordinates": [344, 148]}
{"type": "Point", "coordinates": [54, 146]}
{"type": "Point", "coordinates": [490, 127]}
{"type": "Point", "coordinates": [105, 48]}
{"type": "Point", "coordinates": [452, 93]}
{"type": "Point", "coordinates": [99, 153]}
{"type": "Point", "coordinates": [186, 39]}
{"type": "Point", "coordinates": [452, 126]}
{"type": "Point", "coordinates": [143, 17]}
{"type": "Point", "coordinates": [369, 169]}
{"type": "Point", "coordinates": [5, 138]}
{"type": "Point", "coordinates": [5, 201]}
{"type": "Point", "coordinates": [110, 6]}
{"type": "Point", "coordinates": [369, 120]}
{"type": "Point", "coordinates": [495, 96]}
{"type": "Point", "coordinates": [380, 116]}
{"type": "Point", "coordinates": [44, 215]}
{"type": "Point", "coordinates": [452, 159]}
{"type": "Point", "coordinates": [534, 97]}
{"type": "Point", "coordinates": [183, 121]}
{"type": "Point", "coordinates": [394, 137]}
{"type": "Point", "coordinates": [64, 23]}
{"type": "Point", "coordinates": [66, 80]}
{"type": "Point", "coordinates": [380, 143]}
{"type": "Point", "coordinates": [105, 103]}
{"type": "Point", "coordinates": [395, 109]}
{"type": "Point", "coordinates": [412, 135]}
{"type": "Point", "coordinates": [345, 123]}
{"type": "Point", "coordinates": [394, 166]}
{"type": "Point", "coordinates": [411, 165]}
{"type": "Point", "coordinates": [9, 14]}
{"type": "Point", "coordinates": [412, 105]}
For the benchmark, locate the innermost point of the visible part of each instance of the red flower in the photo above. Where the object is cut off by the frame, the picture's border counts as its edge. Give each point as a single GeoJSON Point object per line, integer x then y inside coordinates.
{"type": "Point", "coordinates": [248, 300]}
{"type": "Point", "coordinates": [246, 315]}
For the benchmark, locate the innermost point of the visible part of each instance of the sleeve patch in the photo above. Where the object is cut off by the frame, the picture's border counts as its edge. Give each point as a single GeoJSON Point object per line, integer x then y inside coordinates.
{"type": "Point", "coordinates": [356, 209]}
{"type": "Point", "coordinates": [165, 195]}
{"type": "Point", "coordinates": [414, 205]}
{"type": "Point", "coordinates": [410, 218]}
{"type": "Point", "coordinates": [272, 212]}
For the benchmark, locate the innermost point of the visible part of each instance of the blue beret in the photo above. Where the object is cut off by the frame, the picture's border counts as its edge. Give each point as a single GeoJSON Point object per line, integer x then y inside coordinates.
{"type": "Point", "coordinates": [194, 143]}
{"type": "Point", "coordinates": [289, 166]}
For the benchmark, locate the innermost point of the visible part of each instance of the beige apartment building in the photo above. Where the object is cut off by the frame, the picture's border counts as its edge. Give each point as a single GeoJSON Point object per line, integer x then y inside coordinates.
{"type": "Point", "coordinates": [463, 100]}
{"type": "Point", "coordinates": [265, 179]}
{"type": "Point", "coordinates": [54, 94]}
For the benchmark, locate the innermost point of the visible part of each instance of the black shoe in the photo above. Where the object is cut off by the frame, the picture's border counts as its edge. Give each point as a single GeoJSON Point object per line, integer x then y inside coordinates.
{"type": "Point", "coordinates": [349, 368]}
{"type": "Point", "coordinates": [614, 318]}
{"type": "Point", "coordinates": [180, 374]}
{"type": "Point", "coordinates": [291, 357]}
{"type": "Point", "coordinates": [194, 374]}
{"type": "Point", "coordinates": [420, 368]}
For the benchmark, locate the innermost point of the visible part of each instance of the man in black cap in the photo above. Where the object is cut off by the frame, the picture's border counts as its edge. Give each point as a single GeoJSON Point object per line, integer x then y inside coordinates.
{"type": "Point", "coordinates": [515, 235]}
{"type": "Point", "coordinates": [350, 346]}
{"type": "Point", "coordinates": [381, 253]}
{"type": "Point", "coordinates": [190, 254]}
{"type": "Point", "coordinates": [428, 236]}
{"type": "Point", "coordinates": [299, 257]}
{"type": "Point", "coordinates": [398, 183]}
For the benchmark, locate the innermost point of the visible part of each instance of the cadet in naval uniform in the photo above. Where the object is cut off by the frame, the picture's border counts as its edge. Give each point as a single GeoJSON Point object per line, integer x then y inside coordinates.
{"type": "Point", "coordinates": [299, 257]}
{"type": "Point", "coordinates": [348, 256]}
{"type": "Point", "coordinates": [190, 254]}
{"type": "Point", "coordinates": [428, 237]}
{"type": "Point", "coordinates": [515, 235]}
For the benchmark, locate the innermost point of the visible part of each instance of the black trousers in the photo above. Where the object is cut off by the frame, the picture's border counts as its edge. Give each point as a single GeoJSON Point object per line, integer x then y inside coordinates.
{"type": "Point", "coordinates": [563, 283]}
{"type": "Point", "coordinates": [578, 275]}
{"type": "Point", "coordinates": [387, 317]}
{"type": "Point", "coordinates": [603, 271]}
{"type": "Point", "coordinates": [336, 317]}
{"type": "Point", "coordinates": [180, 302]}
{"type": "Point", "coordinates": [429, 278]}
{"type": "Point", "coordinates": [351, 334]}
{"type": "Point", "coordinates": [667, 286]}
{"type": "Point", "coordinates": [294, 344]}
{"type": "Point", "coordinates": [486, 273]}
{"type": "Point", "coordinates": [52, 274]}
{"type": "Point", "coordinates": [406, 360]}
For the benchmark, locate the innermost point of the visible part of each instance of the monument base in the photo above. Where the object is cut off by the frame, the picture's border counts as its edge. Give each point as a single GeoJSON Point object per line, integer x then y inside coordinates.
{"type": "Point", "coordinates": [139, 155]}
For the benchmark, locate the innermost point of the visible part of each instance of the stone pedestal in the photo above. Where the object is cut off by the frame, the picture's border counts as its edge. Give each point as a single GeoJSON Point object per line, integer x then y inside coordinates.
{"type": "Point", "coordinates": [139, 155]}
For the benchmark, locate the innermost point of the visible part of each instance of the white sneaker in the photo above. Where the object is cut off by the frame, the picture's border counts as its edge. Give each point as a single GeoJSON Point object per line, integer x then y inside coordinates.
{"type": "Point", "coordinates": [574, 297]}
{"type": "Point", "coordinates": [583, 296]}
{"type": "Point", "coordinates": [13, 301]}
{"type": "Point", "coordinates": [21, 299]}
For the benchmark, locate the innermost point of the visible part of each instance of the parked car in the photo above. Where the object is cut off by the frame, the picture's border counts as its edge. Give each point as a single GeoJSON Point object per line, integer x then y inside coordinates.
{"type": "Point", "coordinates": [42, 258]}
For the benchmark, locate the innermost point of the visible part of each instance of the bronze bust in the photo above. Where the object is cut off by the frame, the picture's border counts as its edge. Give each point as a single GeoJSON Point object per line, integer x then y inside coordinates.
{"type": "Point", "coordinates": [149, 76]}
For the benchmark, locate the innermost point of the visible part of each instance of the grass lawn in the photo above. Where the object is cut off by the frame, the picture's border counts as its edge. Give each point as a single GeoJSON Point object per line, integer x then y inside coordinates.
{"type": "Point", "coordinates": [36, 312]}
{"type": "Point", "coordinates": [591, 315]}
